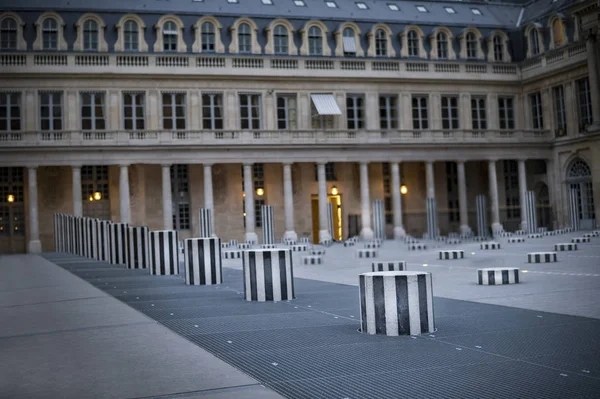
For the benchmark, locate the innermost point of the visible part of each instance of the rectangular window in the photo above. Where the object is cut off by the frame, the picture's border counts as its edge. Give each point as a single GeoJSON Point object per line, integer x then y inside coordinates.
{"type": "Point", "coordinates": [180, 193]}
{"type": "Point", "coordinates": [92, 111]}
{"type": "Point", "coordinates": [419, 112]}
{"type": "Point", "coordinates": [452, 186]}
{"type": "Point", "coordinates": [506, 113]}
{"type": "Point", "coordinates": [355, 112]}
{"type": "Point", "coordinates": [10, 112]}
{"type": "Point", "coordinates": [94, 179]}
{"type": "Point", "coordinates": [286, 112]}
{"type": "Point", "coordinates": [134, 113]}
{"type": "Point", "coordinates": [51, 111]}
{"type": "Point", "coordinates": [329, 172]}
{"type": "Point", "coordinates": [250, 111]}
{"type": "Point", "coordinates": [537, 121]}
{"type": "Point", "coordinates": [319, 121]}
{"type": "Point", "coordinates": [212, 111]}
{"type": "Point", "coordinates": [387, 193]}
{"type": "Point", "coordinates": [449, 112]}
{"type": "Point", "coordinates": [12, 214]}
{"type": "Point", "coordinates": [560, 116]}
{"type": "Point", "coordinates": [173, 107]}
{"type": "Point", "coordinates": [584, 102]}
{"type": "Point", "coordinates": [388, 113]}
{"type": "Point", "coordinates": [511, 185]}
{"type": "Point", "coordinates": [478, 113]}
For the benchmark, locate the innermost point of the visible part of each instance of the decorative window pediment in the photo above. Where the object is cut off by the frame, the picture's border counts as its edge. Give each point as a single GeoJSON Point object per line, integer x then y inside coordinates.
{"type": "Point", "coordinates": [380, 41]}
{"type": "Point", "coordinates": [412, 42]}
{"type": "Point", "coordinates": [90, 34]}
{"type": "Point", "coordinates": [50, 28]}
{"type": "Point", "coordinates": [207, 36]}
{"type": "Point", "coordinates": [497, 45]}
{"type": "Point", "coordinates": [244, 37]}
{"type": "Point", "coordinates": [558, 32]}
{"type": "Point", "coordinates": [535, 40]}
{"type": "Point", "coordinates": [470, 44]}
{"type": "Point", "coordinates": [130, 34]}
{"type": "Point", "coordinates": [279, 33]}
{"type": "Point", "coordinates": [314, 39]}
{"type": "Point", "coordinates": [11, 32]}
{"type": "Point", "coordinates": [442, 44]}
{"type": "Point", "coordinates": [169, 35]}
{"type": "Point", "coordinates": [347, 40]}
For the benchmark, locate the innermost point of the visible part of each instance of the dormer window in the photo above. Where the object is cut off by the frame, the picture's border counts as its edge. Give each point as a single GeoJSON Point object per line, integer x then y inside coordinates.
{"type": "Point", "coordinates": [498, 49]}
{"type": "Point", "coordinates": [471, 45]}
{"type": "Point", "coordinates": [170, 36]}
{"type": "Point", "coordinates": [534, 42]}
{"type": "Point", "coordinates": [244, 39]}
{"type": "Point", "coordinates": [361, 6]}
{"type": "Point", "coordinates": [393, 7]}
{"type": "Point", "coordinates": [130, 31]}
{"type": "Point", "coordinates": [8, 34]}
{"type": "Point", "coordinates": [90, 35]}
{"type": "Point", "coordinates": [208, 37]}
{"type": "Point", "coordinates": [348, 42]}
{"type": "Point", "coordinates": [380, 43]}
{"type": "Point", "coordinates": [558, 32]}
{"type": "Point", "coordinates": [331, 4]}
{"type": "Point", "coordinates": [442, 45]}
{"type": "Point", "coordinates": [413, 44]}
{"type": "Point", "coordinates": [299, 3]}
{"type": "Point", "coordinates": [421, 9]}
{"type": "Point", "coordinates": [281, 40]}
{"type": "Point", "coordinates": [50, 34]}
{"type": "Point", "coordinates": [315, 41]}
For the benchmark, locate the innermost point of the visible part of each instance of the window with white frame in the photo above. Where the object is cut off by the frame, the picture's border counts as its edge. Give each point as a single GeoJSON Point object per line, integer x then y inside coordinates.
{"type": "Point", "coordinates": [280, 40]}
{"type": "Point", "coordinates": [170, 34]}
{"type": "Point", "coordinates": [319, 121]}
{"type": "Point", "coordinates": [94, 179]}
{"type": "Point", "coordinates": [534, 42]}
{"type": "Point", "coordinates": [413, 44]}
{"type": "Point", "coordinates": [10, 112]}
{"type": "Point", "coordinates": [506, 113]}
{"type": "Point", "coordinates": [286, 111]}
{"type": "Point", "coordinates": [478, 113]}
{"type": "Point", "coordinates": [511, 186]}
{"type": "Point", "coordinates": [250, 111]}
{"type": "Point", "coordinates": [208, 37]}
{"type": "Point", "coordinates": [442, 45]}
{"type": "Point", "coordinates": [90, 35]}
{"type": "Point", "coordinates": [50, 34]}
{"type": "Point", "coordinates": [315, 41]}
{"type": "Point", "coordinates": [180, 194]}
{"type": "Point", "coordinates": [419, 112]}
{"type": "Point", "coordinates": [560, 117]}
{"type": "Point", "coordinates": [388, 113]}
{"type": "Point", "coordinates": [380, 43]}
{"type": "Point", "coordinates": [131, 40]}
{"type": "Point", "coordinates": [244, 39]}
{"type": "Point", "coordinates": [51, 111]}
{"type": "Point", "coordinates": [452, 194]}
{"type": "Point", "coordinates": [8, 34]}
{"type": "Point", "coordinates": [537, 121]}
{"type": "Point", "coordinates": [134, 113]}
{"type": "Point", "coordinates": [355, 112]}
{"type": "Point", "coordinates": [329, 172]}
{"type": "Point", "coordinates": [498, 49]}
{"type": "Point", "coordinates": [349, 42]}
{"type": "Point", "coordinates": [584, 102]}
{"type": "Point", "coordinates": [212, 111]}
{"type": "Point", "coordinates": [258, 181]}
{"type": "Point", "coordinates": [471, 40]}
{"type": "Point", "coordinates": [92, 111]}
{"type": "Point", "coordinates": [449, 112]}
{"type": "Point", "coordinates": [174, 110]}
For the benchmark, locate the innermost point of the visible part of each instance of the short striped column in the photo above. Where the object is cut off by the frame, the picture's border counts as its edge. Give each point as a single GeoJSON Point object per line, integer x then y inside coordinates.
{"type": "Point", "coordinates": [205, 222]}
{"type": "Point", "coordinates": [588, 235]}
{"type": "Point", "coordinates": [580, 240]}
{"type": "Point", "coordinates": [268, 275]}
{"type": "Point", "coordinates": [513, 240]}
{"type": "Point", "coordinates": [164, 252]}
{"type": "Point", "coordinates": [481, 213]}
{"type": "Point", "coordinates": [395, 266]}
{"type": "Point", "coordinates": [452, 254]}
{"type": "Point", "coordinates": [267, 225]}
{"type": "Point", "coordinates": [234, 243]}
{"type": "Point", "coordinates": [232, 254]}
{"type": "Point", "coordinates": [417, 247]}
{"type": "Point", "coordinates": [349, 243]}
{"type": "Point", "coordinates": [92, 243]}
{"type": "Point", "coordinates": [243, 245]}
{"type": "Point", "coordinates": [565, 247]}
{"type": "Point", "coordinates": [490, 245]}
{"type": "Point", "coordinates": [139, 247]}
{"type": "Point", "coordinates": [497, 275]}
{"type": "Point", "coordinates": [288, 241]}
{"type": "Point", "coordinates": [299, 247]}
{"type": "Point", "coordinates": [117, 238]}
{"type": "Point", "coordinates": [366, 253]}
{"type": "Point", "coordinates": [396, 303]}
{"type": "Point", "coordinates": [542, 257]}
{"type": "Point", "coordinates": [79, 237]}
{"type": "Point", "coordinates": [102, 239]}
{"type": "Point", "coordinates": [453, 241]}
{"type": "Point", "coordinates": [304, 240]}
{"type": "Point", "coordinates": [312, 260]}
{"type": "Point", "coordinates": [534, 235]}
{"type": "Point", "coordinates": [203, 261]}
{"type": "Point", "coordinates": [531, 212]}
{"type": "Point", "coordinates": [316, 251]}
{"type": "Point", "coordinates": [379, 219]}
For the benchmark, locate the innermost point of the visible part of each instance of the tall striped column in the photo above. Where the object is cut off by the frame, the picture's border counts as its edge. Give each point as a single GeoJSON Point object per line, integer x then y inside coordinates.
{"type": "Point", "coordinates": [268, 275]}
{"type": "Point", "coordinates": [330, 227]}
{"type": "Point", "coordinates": [203, 261]}
{"type": "Point", "coordinates": [86, 236]}
{"type": "Point", "coordinates": [396, 303]}
{"type": "Point", "coordinates": [56, 227]}
{"type": "Point", "coordinates": [70, 234]}
{"type": "Point", "coordinates": [205, 222]}
{"type": "Point", "coordinates": [117, 238]}
{"type": "Point", "coordinates": [574, 208]}
{"type": "Point", "coordinates": [103, 242]}
{"type": "Point", "coordinates": [432, 223]}
{"type": "Point", "coordinates": [92, 242]}
{"type": "Point", "coordinates": [481, 212]}
{"type": "Point", "coordinates": [139, 247]}
{"type": "Point", "coordinates": [164, 252]}
{"type": "Point", "coordinates": [530, 212]}
{"type": "Point", "coordinates": [378, 219]}
{"type": "Point", "coordinates": [267, 225]}
{"type": "Point", "coordinates": [79, 234]}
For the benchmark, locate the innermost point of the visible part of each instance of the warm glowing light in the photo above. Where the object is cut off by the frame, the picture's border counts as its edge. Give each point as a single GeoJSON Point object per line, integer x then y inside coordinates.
{"type": "Point", "coordinates": [91, 197]}
{"type": "Point", "coordinates": [334, 190]}
{"type": "Point", "coordinates": [524, 271]}
{"type": "Point", "coordinates": [403, 189]}
{"type": "Point", "coordinates": [10, 198]}
{"type": "Point", "coordinates": [244, 195]}
{"type": "Point", "coordinates": [260, 191]}
{"type": "Point", "coordinates": [97, 195]}
{"type": "Point", "coordinates": [244, 214]}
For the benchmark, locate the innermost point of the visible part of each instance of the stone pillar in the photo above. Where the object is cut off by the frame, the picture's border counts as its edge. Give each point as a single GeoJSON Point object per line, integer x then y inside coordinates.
{"type": "Point", "coordinates": [288, 203]}
{"type": "Point", "coordinates": [208, 195]}
{"type": "Point", "coordinates": [77, 204]}
{"type": "Point", "coordinates": [167, 198]}
{"type": "Point", "coordinates": [493, 182]}
{"type": "Point", "coordinates": [34, 245]}
{"type": "Point", "coordinates": [522, 192]}
{"type": "Point", "coordinates": [324, 234]}
{"type": "Point", "coordinates": [366, 232]}
{"type": "Point", "coordinates": [125, 204]}
{"type": "Point", "coordinates": [397, 201]}
{"type": "Point", "coordinates": [462, 198]}
{"type": "Point", "coordinates": [250, 235]}
{"type": "Point", "coordinates": [592, 61]}
{"type": "Point", "coordinates": [430, 179]}
{"type": "Point", "coordinates": [466, 118]}
{"type": "Point", "coordinates": [372, 111]}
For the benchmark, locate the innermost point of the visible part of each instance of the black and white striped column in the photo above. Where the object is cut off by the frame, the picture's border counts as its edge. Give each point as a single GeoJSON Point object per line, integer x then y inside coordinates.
{"type": "Point", "coordinates": [396, 266]}
{"type": "Point", "coordinates": [70, 234]}
{"type": "Point", "coordinates": [117, 238]}
{"type": "Point", "coordinates": [268, 275]}
{"type": "Point", "coordinates": [102, 240]}
{"type": "Point", "coordinates": [268, 231]}
{"type": "Point", "coordinates": [139, 247]}
{"type": "Point", "coordinates": [481, 212]}
{"type": "Point", "coordinates": [330, 227]}
{"type": "Point", "coordinates": [79, 237]}
{"type": "Point", "coordinates": [490, 245]}
{"type": "Point", "coordinates": [56, 225]}
{"type": "Point", "coordinates": [565, 247]}
{"type": "Point", "coordinates": [203, 261]}
{"type": "Point", "coordinates": [205, 222]}
{"type": "Point", "coordinates": [379, 219]}
{"type": "Point", "coordinates": [452, 254]}
{"type": "Point", "coordinates": [498, 276]}
{"type": "Point", "coordinates": [164, 252]}
{"type": "Point", "coordinates": [432, 222]}
{"type": "Point", "coordinates": [574, 208]}
{"type": "Point", "coordinates": [396, 303]}
{"type": "Point", "coordinates": [541, 257]}
{"type": "Point", "coordinates": [530, 212]}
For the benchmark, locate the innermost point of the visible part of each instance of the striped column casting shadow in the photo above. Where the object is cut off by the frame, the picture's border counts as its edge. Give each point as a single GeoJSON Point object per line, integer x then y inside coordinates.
{"type": "Point", "coordinates": [268, 232]}
{"type": "Point", "coordinates": [432, 218]}
{"type": "Point", "coordinates": [203, 261]}
{"type": "Point", "coordinates": [574, 209]}
{"type": "Point", "coordinates": [379, 219]}
{"type": "Point", "coordinates": [164, 252]}
{"type": "Point", "coordinates": [481, 213]}
{"type": "Point", "coordinates": [396, 303]}
{"type": "Point", "coordinates": [102, 232]}
{"type": "Point", "coordinates": [139, 247]}
{"type": "Point", "coordinates": [531, 212]}
{"type": "Point", "coordinates": [205, 222]}
{"type": "Point", "coordinates": [497, 276]}
{"type": "Point", "coordinates": [117, 238]}
{"type": "Point", "coordinates": [268, 275]}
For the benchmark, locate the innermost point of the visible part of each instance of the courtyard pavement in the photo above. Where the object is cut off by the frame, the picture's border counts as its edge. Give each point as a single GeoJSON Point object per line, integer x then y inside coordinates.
{"type": "Point", "coordinates": [67, 338]}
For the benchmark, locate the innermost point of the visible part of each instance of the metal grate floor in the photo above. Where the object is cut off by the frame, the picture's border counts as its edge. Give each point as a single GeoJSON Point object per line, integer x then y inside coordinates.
{"type": "Point", "coordinates": [310, 347]}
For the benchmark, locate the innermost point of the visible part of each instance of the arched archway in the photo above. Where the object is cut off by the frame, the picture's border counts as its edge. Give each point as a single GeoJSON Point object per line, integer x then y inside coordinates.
{"type": "Point", "coordinates": [581, 195]}
{"type": "Point", "coordinates": [543, 209]}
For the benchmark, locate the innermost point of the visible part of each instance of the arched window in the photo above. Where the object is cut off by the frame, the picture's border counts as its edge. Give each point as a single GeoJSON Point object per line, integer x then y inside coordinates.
{"type": "Point", "coordinates": [208, 36]}
{"type": "Point", "coordinates": [471, 45]}
{"type": "Point", "coordinates": [131, 39]}
{"type": "Point", "coordinates": [534, 42]}
{"type": "Point", "coordinates": [349, 44]}
{"type": "Point", "coordinates": [498, 49]}
{"type": "Point", "coordinates": [50, 34]}
{"type": "Point", "coordinates": [579, 169]}
{"type": "Point", "coordinates": [280, 39]}
{"type": "Point", "coordinates": [413, 44]}
{"type": "Point", "coordinates": [558, 33]}
{"type": "Point", "coordinates": [90, 35]}
{"type": "Point", "coordinates": [170, 36]}
{"type": "Point", "coordinates": [315, 41]}
{"type": "Point", "coordinates": [380, 43]}
{"type": "Point", "coordinates": [442, 45]}
{"type": "Point", "coordinates": [8, 34]}
{"type": "Point", "coordinates": [244, 39]}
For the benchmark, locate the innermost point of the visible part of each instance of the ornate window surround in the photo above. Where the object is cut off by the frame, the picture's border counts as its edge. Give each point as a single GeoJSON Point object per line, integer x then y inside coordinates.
{"type": "Point", "coordinates": [158, 45]}
{"type": "Point", "coordinates": [120, 43]}
{"type": "Point", "coordinates": [21, 43]}
{"type": "Point", "coordinates": [404, 40]}
{"type": "Point", "coordinates": [233, 46]}
{"type": "Point", "coordinates": [270, 29]}
{"type": "Point", "coordinates": [339, 41]}
{"type": "Point", "coordinates": [304, 35]}
{"type": "Point", "coordinates": [562, 19]}
{"type": "Point", "coordinates": [371, 51]}
{"type": "Point", "coordinates": [540, 35]}
{"type": "Point", "coordinates": [102, 45]}
{"type": "Point", "coordinates": [490, 46]}
{"type": "Point", "coordinates": [463, 43]}
{"type": "Point", "coordinates": [433, 40]}
{"type": "Point", "coordinates": [197, 46]}
{"type": "Point", "coordinates": [61, 42]}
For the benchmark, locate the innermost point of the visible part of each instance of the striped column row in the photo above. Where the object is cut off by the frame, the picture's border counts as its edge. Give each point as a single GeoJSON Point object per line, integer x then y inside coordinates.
{"type": "Point", "coordinates": [268, 275]}
{"type": "Point", "coordinates": [203, 261]}
{"type": "Point", "coordinates": [530, 212]}
{"type": "Point", "coordinates": [379, 219]}
{"type": "Point", "coordinates": [267, 225]}
{"type": "Point", "coordinates": [205, 222]}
